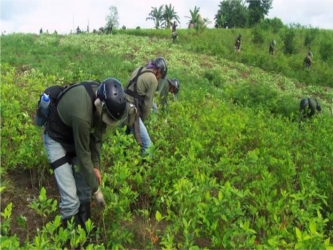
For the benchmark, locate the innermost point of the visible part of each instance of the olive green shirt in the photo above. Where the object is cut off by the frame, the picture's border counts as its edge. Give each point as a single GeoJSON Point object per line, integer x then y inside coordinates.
{"type": "Point", "coordinates": [163, 90]}
{"type": "Point", "coordinates": [76, 110]}
{"type": "Point", "coordinates": [146, 86]}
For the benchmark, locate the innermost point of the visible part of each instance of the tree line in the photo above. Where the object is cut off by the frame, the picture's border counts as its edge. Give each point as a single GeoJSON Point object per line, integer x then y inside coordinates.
{"type": "Point", "coordinates": [241, 13]}
{"type": "Point", "coordinates": [230, 14]}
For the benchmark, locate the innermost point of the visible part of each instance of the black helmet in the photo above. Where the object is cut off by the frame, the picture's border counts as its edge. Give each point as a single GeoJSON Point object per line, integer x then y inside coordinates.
{"type": "Point", "coordinates": [304, 104]}
{"type": "Point", "coordinates": [175, 83]}
{"type": "Point", "coordinates": [160, 63]}
{"type": "Point", "coordinates": [112, 97]}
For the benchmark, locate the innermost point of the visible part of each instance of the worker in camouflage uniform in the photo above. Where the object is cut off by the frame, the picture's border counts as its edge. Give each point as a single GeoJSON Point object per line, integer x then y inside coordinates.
{"type": "Point", "coordinates": [308, 60]}
{"type": "Point", "coordinates": [308, 108]}
{"type": "Point", "coordinates": [272, 47]}
{"type": "Point", "coordinates": [166, 86]}
{"type": "Point", "coordinates": [238, 43]}
{"type": "Point", "coordinates": [174, 32]}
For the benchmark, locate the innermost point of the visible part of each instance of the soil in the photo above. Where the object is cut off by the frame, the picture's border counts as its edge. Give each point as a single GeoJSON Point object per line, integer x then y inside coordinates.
{"type": "Point", "coordinates": [21, 188]}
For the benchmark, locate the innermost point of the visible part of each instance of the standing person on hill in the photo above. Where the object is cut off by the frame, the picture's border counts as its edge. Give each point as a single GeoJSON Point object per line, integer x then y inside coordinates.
{"type": "Point", "coordinates": [166, 86]}
{"type": "Point", "coordinates": [238, 43]}
{"type": "Point", "coordinates": [140, 92]}
{"type": "Point", "coordinates": [73, 140]}
{"type": "Point", "coordinates": [174, 33]}
{"type": "Point", "coordinates": [272, 47]}
{"type": "Point", "coordinates": [308, 108]}
{"type": "Point", "coordinates": [310, 52]}
{"type": "Point", "coordinates": [109, 29]}
{"type": "Point", "coordinates": [307, 63]}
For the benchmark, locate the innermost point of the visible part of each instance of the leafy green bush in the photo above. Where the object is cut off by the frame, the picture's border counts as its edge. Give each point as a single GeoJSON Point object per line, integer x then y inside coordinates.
{"type": "Point", "coordinates": [326, 49]}
{"type": "Point", "coordinates": [310, 36]}
{"type": "Point", "coordinates": [228, 142]}
{"type": "Point", "coordinates": [258, 35]}
{"type": "Point", "coordinates": [264, 96]}
{"type": "Point", "coordinates": [288, 41]}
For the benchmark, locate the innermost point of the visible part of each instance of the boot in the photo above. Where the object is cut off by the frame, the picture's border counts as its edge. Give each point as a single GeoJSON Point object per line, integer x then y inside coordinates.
{"type": "Point", "coordinates": [84, 213]}
{"type": "Point", "coordinates": [76, 221]}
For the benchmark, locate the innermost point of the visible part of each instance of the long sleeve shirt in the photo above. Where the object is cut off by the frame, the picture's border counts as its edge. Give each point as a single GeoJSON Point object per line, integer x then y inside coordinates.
{"type": "Point", "coordinates": [146, 87]}
{"type": "Point", "coordinates": [163, 91]}
{"type": "Point", "coordinates": [76, 110]}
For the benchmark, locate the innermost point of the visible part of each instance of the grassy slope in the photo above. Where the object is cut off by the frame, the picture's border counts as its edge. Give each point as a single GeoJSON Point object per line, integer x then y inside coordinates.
{"type": "Point", "coordinates": [220, 42]}
{"type": "Point", "coordinates": [207, 133]}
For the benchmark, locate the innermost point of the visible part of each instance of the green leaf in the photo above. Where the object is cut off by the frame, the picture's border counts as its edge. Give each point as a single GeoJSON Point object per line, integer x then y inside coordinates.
{"type": "Point", "coordinates": [42, 195]}
{"type": "Point", "coordinates": [158, 216]}
{"type": "Point", "coordinates": [313, 227]}
{"type": "Point", "coordinates": [298, 234]}
{"type": "Point", "coordinates": [220, 196]}
{"type": "Point", "coordinates": [21, 221]}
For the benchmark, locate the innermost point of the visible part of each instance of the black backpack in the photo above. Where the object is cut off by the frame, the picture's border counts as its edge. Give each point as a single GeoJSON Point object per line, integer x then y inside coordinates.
{"type": "Point", "coordinates": [55, 93]}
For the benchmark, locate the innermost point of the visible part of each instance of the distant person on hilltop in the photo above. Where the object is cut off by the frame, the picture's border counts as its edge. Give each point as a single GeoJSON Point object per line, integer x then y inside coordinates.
{"type": "Point", "coordinates": [109, 29]}
{"type": "Point", "coordinates": [174, 32]}
{"type": "Point", "coordinates": [272, 47]}
{"type": "Point", "coordinates": [41, 31]}
{"type": "Point", "coordinates": [307, 63]}
{"type": "Point", "coordinates": [308, 108]}
{"type": "Point", "coordinates": [238, 43]}
{"type": "Point", "coordinates": [310, 52]}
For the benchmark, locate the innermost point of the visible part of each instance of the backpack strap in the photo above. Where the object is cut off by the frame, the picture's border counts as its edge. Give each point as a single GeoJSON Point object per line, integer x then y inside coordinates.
{"type": "Point", "coordinates": [131, 82]}
{"type": "Point", "coordinates": [134, 93]}
{"type": "Point", "coordinates": [90, 91]}
{"type": "Point", "coordinates": [86, 85]}
{"type": "Point", "coordinates": [309, 105]}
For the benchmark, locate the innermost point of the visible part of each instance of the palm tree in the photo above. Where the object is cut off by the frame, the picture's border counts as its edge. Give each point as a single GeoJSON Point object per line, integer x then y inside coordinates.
{"type": "Point", "coordinates": [194, 18]}
{"type": "Point", "coordinates": [205, 22]}
{"type": "Point", "coordinates": [156, 15]}
{"type": "Point", "coordinates": [169, 14]}
{"type": "Point", "coordinates": [196, 21]}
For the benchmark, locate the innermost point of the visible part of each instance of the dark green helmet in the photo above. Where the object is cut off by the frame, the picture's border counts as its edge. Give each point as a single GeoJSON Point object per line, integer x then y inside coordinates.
{"type": "Point", "coordinates": [175, 83]}
{"type": "Point", "coordinates": [160, 63]}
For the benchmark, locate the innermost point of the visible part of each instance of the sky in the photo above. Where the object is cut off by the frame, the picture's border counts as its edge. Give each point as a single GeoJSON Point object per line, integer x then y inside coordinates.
{"type": "Point", "coordinates": [29, 16]}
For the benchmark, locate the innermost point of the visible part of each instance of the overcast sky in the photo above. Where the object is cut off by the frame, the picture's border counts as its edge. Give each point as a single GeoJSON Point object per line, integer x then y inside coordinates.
{"type": "Point", "coordinates": [64, 15]}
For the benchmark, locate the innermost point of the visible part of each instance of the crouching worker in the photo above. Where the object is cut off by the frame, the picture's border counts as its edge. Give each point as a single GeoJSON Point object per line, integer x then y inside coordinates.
{"type": "Point", "coordinates": [166, 86]}
{"type": "Point", "coordinates": [140, 92]}
{"type": "Point", "coordinates": [73, 140]}
{"type": "Point", "coordinates": [308, 108]}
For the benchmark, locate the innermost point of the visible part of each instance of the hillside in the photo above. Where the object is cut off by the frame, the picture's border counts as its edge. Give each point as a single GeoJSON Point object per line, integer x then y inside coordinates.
{"type": "Point", "coordinates": [231, 167]}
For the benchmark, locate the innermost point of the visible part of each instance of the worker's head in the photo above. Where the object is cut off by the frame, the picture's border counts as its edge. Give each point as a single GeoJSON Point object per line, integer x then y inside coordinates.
{"type": "Point", "coordinates": [174, 86]}
{"type": "Point", "coordinates": [111, 103]}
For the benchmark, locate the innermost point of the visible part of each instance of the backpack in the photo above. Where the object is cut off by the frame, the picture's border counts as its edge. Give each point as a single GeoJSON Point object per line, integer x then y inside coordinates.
{"type": "Point", "coordinates": [55, 93]}
{"type": "Point", "coordinates": [137, 98]}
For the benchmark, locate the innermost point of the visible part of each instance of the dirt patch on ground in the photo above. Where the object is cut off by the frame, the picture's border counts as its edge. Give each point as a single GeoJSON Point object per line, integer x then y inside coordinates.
{"type": "Point", "coordinates": [21, 188]}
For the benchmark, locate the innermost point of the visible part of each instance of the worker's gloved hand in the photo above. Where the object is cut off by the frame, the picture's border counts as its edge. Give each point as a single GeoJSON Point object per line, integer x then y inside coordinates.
{"type": "Point", "coordinates": [99, 197]}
